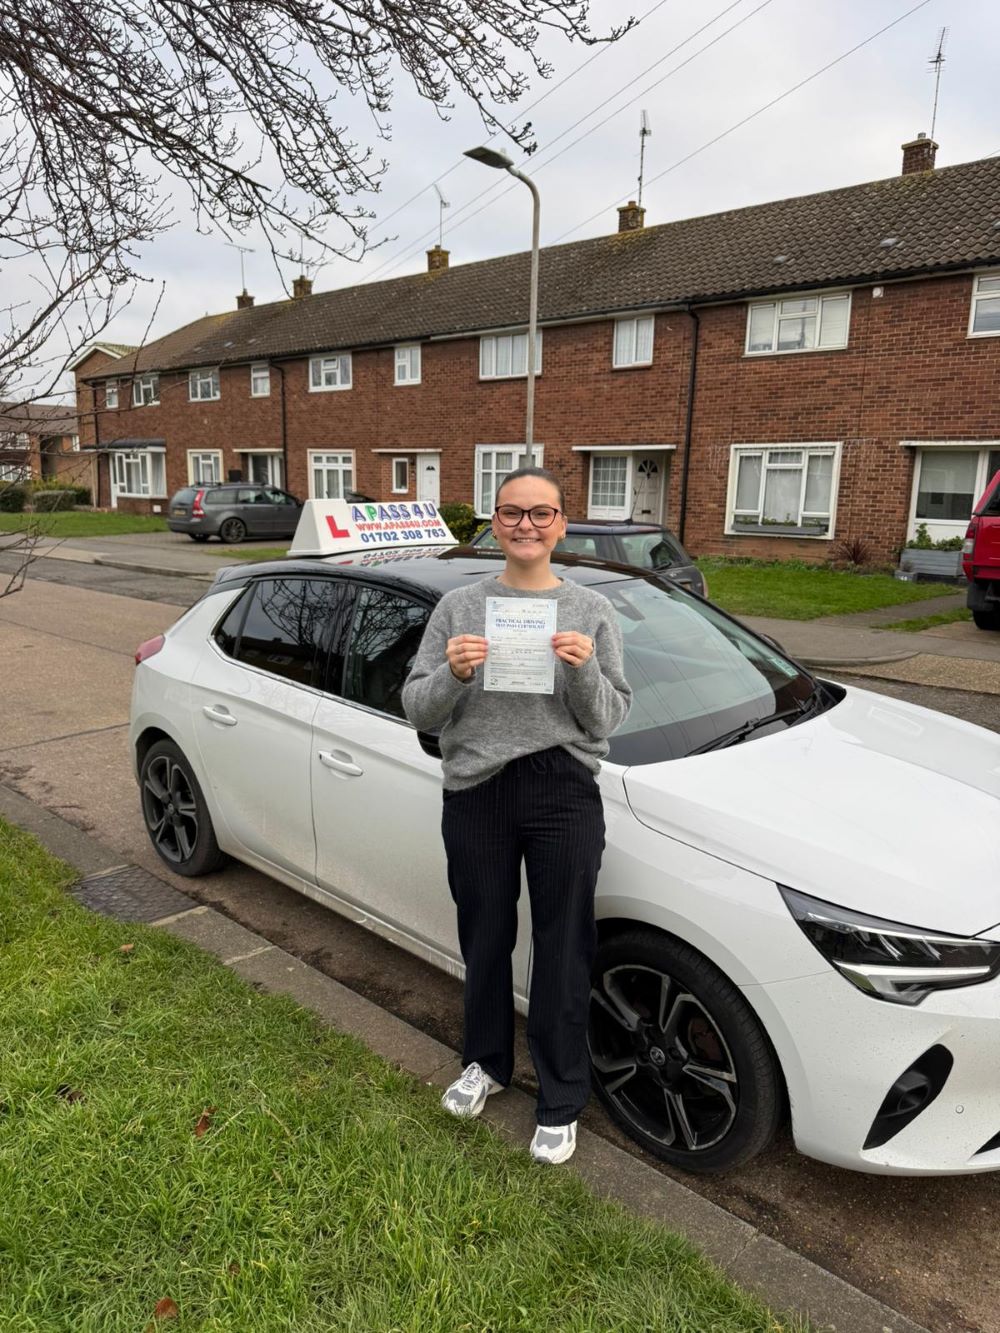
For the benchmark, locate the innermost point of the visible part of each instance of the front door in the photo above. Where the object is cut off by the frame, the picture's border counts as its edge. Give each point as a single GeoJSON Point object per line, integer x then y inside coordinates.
{"type": "Point", "coordinates": [647, 486]}
{"type": "Point", "coordinates": [429, 477]}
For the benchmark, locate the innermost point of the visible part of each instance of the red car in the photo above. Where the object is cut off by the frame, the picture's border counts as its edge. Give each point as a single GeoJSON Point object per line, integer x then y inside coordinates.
{"type": "Point", "coordinates": [981, 558]}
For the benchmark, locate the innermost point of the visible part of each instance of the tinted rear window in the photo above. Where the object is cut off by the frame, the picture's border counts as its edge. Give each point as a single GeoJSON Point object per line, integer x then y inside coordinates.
{"type": "Point", "coordinates": [219, 497]}
{"type": "Point", "coordinates": [184, 497]}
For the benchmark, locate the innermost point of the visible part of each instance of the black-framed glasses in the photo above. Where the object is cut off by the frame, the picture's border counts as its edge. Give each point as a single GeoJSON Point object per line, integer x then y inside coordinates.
{"type": "Point", "coordinates": [541, 516]}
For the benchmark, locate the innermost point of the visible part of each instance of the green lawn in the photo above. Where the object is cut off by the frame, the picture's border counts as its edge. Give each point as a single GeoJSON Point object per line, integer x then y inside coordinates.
{"type": "Point", "coordinates": [928, 622]}
{"type": "Point", "coordinates": [168, 1134]}
{"type": "Point", "coordinates": [247, 553]}
{"type": "Point", "coordinates": [794, 591]}
{"type": "Point", "coordinates": [82, 524]}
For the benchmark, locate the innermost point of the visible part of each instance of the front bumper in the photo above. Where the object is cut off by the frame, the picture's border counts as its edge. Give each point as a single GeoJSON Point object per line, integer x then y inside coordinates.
{"type": "Point", "coordinates": [842, 1051]}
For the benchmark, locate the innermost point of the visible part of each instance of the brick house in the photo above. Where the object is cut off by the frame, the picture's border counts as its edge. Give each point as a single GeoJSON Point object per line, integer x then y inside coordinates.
{"type": "Point", "coordinates": [41, 440]}
{"type": "Point", "coordinates": [768, 381]}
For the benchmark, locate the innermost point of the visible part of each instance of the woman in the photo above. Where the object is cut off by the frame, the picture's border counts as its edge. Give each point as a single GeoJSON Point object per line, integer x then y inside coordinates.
{"type": "Point", "coordinates": [520, 784]}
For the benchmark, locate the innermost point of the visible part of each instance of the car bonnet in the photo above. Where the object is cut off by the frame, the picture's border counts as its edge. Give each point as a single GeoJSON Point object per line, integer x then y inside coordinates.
{"type": "Point", "coordinates": [876, 805]}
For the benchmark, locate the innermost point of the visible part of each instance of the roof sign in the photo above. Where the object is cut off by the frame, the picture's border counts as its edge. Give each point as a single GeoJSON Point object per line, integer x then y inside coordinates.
{"type": "Point", "coordinates": [330, 527]}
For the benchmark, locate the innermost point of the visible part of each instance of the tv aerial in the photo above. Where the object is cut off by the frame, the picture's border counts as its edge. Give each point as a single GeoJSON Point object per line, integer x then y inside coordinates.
{"type": "Point", "coordinates": [645, 130]}
{"type": "Point", "coordinates": [442, 205]}
{"type": "Point", "coordinates": [244, 250]}
{"type": "Point", "coordinates": [936, 63]}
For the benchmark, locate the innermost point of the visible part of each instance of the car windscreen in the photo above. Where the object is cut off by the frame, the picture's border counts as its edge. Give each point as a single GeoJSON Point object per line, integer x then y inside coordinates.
{"type": "Point", "coordinates": [695, 675]}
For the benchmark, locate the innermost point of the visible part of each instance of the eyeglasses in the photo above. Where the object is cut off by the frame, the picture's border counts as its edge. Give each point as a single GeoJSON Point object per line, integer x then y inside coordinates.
{"type": "Point", "coordinates": [540, 516]}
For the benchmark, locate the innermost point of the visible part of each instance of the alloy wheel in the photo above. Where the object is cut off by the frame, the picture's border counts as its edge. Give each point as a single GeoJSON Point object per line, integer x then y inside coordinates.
{"type": "Point", "coordinates": [660, 1057]}
{"type": "Point", "coordinates": [170, 809]}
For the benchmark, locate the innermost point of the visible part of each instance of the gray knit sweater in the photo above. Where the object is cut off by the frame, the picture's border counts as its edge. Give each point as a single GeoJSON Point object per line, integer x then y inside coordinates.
{"type": "Point", "coordinates": [483, 730]}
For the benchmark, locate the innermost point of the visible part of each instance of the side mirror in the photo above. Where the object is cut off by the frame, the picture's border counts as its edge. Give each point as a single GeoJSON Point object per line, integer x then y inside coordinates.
{"type": "Point", "coordinates": [429, 743]}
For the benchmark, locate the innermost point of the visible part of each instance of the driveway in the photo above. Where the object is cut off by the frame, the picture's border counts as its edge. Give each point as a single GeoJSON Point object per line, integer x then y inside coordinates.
{"type": "Point", "coordinates": [928, 1247]}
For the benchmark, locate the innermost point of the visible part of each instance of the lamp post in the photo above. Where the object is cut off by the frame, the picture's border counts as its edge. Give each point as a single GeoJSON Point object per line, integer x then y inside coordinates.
{"type": "Point", "coordinates": [490, 157]}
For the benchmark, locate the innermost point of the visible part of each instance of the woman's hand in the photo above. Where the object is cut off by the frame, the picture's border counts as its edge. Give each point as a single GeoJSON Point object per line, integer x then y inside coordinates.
{"type": "Point", "coordinates": [572, 647]}
{"type": "Point", "coordinates": [466, 652]}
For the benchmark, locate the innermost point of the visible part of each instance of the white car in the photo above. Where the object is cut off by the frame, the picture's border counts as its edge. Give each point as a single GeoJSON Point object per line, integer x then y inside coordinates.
{"type": "Point", "coordinates": [799, 906]}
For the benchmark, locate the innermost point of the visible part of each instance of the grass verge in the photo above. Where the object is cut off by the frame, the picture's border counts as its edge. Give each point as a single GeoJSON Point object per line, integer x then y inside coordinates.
{"type": "Point", "coordinates": [82, 524]}
{"type": "Point", "coordinates": [244, 553]}
{"type": "Point", "coordinates": [917, 623]}
{"type": "Point", "coordinates": [792, 590]}
{"type": "Point", "coordinates": [172, 1140]}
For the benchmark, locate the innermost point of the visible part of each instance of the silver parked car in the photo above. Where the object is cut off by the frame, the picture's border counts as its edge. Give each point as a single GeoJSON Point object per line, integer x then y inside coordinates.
{"type": "Point", "coordinates": [233, 511]}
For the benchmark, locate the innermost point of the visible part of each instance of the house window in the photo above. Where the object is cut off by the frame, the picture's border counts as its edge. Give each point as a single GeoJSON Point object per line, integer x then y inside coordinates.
{"type": "Point", "coordinates": [74, 443]}
{"type": "Point", "coordinates": [408, 364]}
{"type": "Point", "coordinates": [146, 391]}
{"type": "Point", "coordinates": [203, 385]}
{"type": "Point", "coordinates": [984, 320]}
{"type": "Point", "coordinates": [784, 490]}
{"type": "Point", "coordinates": [260, 380]}
{"type": "Point", "coordinates": [111, 393]}
{"type": "Point", "coordinates": [505, 356]}
{"type": "Point", "coordinates": [493, 462]}
{"type": "Point", "coordinates": [332, 475]}
{"type": "Point", "coordinates": [329, 372]}
{"type": "Point", "coordinates": [633, 342]}
{"type": "Point", "coordinates": [800, 324]}
{"type": "Point", "coordinates": [205, 467]}
{"type": "Point", "coordinates": [609, 486]}
{"type": "Point", "coordinates": [400, 476]}
{"type": "Point", "coordinates": [22, 440]}
{"type": "Point", "coordinates": [14, 472]}
{"type": "Point", "coordinates": [140, 473]}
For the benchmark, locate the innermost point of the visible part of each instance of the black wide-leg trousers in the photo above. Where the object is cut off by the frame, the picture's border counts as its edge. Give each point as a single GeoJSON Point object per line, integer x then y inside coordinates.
{"type": "Point", "coordinates": [543, 809]}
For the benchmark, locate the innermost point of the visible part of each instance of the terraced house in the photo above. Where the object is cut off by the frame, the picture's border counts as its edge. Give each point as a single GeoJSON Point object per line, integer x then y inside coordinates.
{"type": "Point", "coordinates": [768, 381]}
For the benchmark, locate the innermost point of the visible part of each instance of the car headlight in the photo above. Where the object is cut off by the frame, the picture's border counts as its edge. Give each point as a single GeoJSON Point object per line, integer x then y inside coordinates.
{"type": "Point", "coordinates": [887, 960]}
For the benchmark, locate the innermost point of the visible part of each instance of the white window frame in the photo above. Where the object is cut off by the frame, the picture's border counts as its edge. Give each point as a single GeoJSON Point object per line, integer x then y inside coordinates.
{"type": "Point", "coordinates": [120, 459]}
{"type": "Point", "coordinates": [801, 533]}
{"type": "Point", "coordinates": [275, 467]}
{"type": "Point", "coordinates": [260, 371]}
{"type": "Point", "coordinates": [776, 303]}
{"type": "Point", "coordinates": [946, 527]}
{"type": "Point", "coordinates": [491, 344]}
{"type": "Point", "coordinates": [610, 511]}
{"type": "Point", "coordinates": [74, 444]}
{"type": "Point", "coordinates": [146, 391]}
{"type": "Point", "coordinates": [405, 355]}
{"type": "Point", "coordinates": [486, 455]}
{"type": "Point", "coordinates": [15, 472]}
{"type": "Point", "coordinates": [400, 486]}
{"type": "Point", "coordinates": [111, 393]}
{"type": "Point", "coordinates": [22, 440]}
{"type": "Point", "coordinates": [322, 367]}
{"type": "Point", "coordinates": [338, 461]}
{"type": "Point", "coordinates": [634, 321]}
{"type": "Point", "coordinates": [194, 459]}
{"type": "Point", "coordinates": [978, 295]}
{"type": "Point", "coordinates": [206, 377]}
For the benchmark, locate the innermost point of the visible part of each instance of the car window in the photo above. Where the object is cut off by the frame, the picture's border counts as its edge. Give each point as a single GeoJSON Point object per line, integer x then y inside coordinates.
{"type": "Point", "coordinates": [651, 550]}
{"type": "Point", "coordinates": [217, 497]}
{"type": "Point", "coordinates": [277, 497]}
{"type": "Point", "coordinates": [992, 505]}
{"type": "Point", "coordinates": [577, 544]}
{"type": "Point", "coordinates": [385, 637]}
{"type": "Point", "coordinates": [694, 674]}
{"type": "Point", "coordinates": [283, 625]}
{"type": "Point", "coordinates": [249, 495]}
{"type": "Point", "coordinates": [185, 496]}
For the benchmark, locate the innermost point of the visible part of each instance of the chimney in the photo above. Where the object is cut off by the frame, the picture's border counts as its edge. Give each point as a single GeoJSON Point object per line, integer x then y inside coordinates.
{"type": "Point", "coordinates": [302, 286]}
{"type": "Point", "coordinates": [631, 217]}
{"type": "Point", "coordinates": [244, 301]}
{"type": "Point", "coordinates": [919, 154]}
{"type": "Point", "coordinates": [437, 259]}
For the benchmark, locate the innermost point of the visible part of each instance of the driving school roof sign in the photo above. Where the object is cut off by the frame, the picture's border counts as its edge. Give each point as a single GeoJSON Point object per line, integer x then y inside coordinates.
{"type": "Point", "coordinates": [328, 527]}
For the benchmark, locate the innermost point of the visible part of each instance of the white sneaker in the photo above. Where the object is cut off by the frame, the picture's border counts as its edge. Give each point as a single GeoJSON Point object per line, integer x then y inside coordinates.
{"type": "Point", "coordinates": [554, 1143]}
{"type": "Point", "coordinates": [467, 1095]}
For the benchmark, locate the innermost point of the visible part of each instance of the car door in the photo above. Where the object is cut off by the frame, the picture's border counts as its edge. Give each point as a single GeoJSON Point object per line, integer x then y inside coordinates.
{"type": "Point", "coordinates": [283, 512]}
{"type": "Point", "coordinates": [254, 699]}
{"type": "Point", "coordinates": [251, 505]}
{"type": "Point", "coordinates": [376, 794]}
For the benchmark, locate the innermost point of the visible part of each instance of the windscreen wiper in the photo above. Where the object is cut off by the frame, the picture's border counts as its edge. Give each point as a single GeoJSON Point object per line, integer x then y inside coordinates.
{"type": "Point", "coordinates": [745, 729]}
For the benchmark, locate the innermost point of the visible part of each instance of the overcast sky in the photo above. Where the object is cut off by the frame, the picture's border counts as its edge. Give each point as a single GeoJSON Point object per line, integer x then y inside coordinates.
{"type": "Point", "coordinates": [843, 127]}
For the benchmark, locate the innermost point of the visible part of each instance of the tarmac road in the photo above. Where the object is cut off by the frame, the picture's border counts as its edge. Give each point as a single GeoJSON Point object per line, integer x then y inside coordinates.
{"type": "Point", "coordinates": [927, 1247]}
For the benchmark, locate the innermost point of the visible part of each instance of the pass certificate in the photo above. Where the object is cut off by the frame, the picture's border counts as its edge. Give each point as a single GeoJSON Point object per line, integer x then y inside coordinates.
{"type": "Point", "coordinates": [520, 658]}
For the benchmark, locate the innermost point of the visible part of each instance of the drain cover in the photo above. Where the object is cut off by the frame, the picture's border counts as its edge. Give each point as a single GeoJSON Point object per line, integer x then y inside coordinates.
{"type": "Point", "coordinates": [129, 893]}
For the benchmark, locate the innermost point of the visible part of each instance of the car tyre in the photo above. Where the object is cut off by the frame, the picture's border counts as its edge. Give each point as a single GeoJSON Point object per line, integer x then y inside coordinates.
{"type": "Point", "coordinates": [986, 619]}
{"type": "Point", "coordinates": [679, 1059]}
{"type": "Point", "coordinates": [232, 531]}
{"type": "Point", "coordinates": [175, 813]}
{"type": "Point", "coordinates": [198, 536]}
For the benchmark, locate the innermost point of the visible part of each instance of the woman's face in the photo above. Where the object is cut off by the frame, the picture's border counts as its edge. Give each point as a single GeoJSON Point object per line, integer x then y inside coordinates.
{"type": "Point", "coordinates": [527, 544]}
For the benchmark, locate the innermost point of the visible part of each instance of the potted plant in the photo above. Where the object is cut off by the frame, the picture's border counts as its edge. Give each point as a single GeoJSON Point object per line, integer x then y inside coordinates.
{"type": "Point", "coordinates": [924, 558]}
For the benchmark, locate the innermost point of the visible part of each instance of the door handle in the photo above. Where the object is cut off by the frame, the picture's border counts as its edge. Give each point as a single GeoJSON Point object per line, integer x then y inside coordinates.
{"type": "Point", "coordinates": [340, 762]}
{"type": "Point", "coordinates": [220, 714]}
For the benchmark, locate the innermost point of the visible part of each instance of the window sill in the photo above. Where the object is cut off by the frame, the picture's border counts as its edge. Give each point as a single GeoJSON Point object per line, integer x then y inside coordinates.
{"type": "Point", "coordinates": [405, 384]}
{"type": "Point", "coordinates": [216, 399]}
{"type": "Point", "coordinates": [329, 388]}
{"type": "Point", "coordinates": [986, 333]}
{"type": "Point", "coordinates": [633, 365]}
{"type": "Point", "coordinates": [792, 351]}
{"type": "Point", "coordinates": [778, 530]}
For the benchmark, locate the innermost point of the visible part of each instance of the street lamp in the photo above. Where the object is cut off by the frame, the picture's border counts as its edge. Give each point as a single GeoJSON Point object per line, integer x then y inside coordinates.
{"type": "Point", "coordinates": [490, 157]}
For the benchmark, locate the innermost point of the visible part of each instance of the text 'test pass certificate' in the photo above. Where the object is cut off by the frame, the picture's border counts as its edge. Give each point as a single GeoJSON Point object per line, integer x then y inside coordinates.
{"type": "Point", "coordinates": [520, 657]}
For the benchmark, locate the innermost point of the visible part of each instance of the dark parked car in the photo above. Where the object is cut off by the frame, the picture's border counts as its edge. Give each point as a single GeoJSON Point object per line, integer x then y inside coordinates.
{"type": "Point", "coordinates": [647, 545]}
{"type": "Point", "coordinates": [233, 511]}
